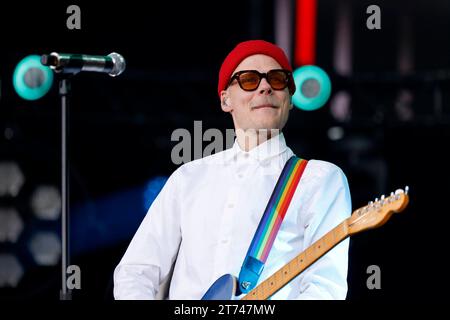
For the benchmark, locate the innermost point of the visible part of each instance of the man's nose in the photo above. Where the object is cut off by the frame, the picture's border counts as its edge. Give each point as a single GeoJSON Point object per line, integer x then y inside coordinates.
{"type": "Point", "coordinates": [264, 87]}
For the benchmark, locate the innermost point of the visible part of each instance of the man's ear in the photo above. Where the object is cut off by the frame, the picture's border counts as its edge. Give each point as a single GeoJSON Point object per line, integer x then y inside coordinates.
{"type": "Point", "coordinates": [225, 101]}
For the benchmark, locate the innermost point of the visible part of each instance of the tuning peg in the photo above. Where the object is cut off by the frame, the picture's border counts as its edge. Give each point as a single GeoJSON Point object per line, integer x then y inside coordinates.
{"type": "Point", "coordinates": [391, 197]}
{"type": "Point", "coordinates": [406, 190]}
{"type": "Point", "coordinates": [397, 193]}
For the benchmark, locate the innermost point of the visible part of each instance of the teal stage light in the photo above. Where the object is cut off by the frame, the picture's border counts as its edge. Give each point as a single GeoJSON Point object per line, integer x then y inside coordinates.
{"type": "Point", "coordinates": [31, 79]}
{"type": "Point", "coordinates": [313, 88]}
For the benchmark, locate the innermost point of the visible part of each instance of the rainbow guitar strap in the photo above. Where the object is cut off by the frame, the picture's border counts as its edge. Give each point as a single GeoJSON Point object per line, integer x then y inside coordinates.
{"type": "Point", "coordinates": [270, 223]}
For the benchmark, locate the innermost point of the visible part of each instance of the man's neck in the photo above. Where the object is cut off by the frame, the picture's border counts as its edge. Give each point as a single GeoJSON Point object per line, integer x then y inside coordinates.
{"type": "Point", "coordinates": [251, 138]}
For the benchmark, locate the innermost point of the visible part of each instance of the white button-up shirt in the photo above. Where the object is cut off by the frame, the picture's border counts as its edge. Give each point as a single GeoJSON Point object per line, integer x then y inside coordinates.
{"type": "Point", "coordinates": [206, 215]}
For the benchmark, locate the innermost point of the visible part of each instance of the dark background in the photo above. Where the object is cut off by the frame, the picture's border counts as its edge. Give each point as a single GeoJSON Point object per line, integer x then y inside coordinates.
{"type": "Point", "coordinates": [120, 129]}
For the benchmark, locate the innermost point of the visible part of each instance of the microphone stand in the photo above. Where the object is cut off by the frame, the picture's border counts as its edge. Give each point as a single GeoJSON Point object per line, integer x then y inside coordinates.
{"type": "Point", "coordinates": [73, 64]}
{"type": "Point", "coordinates": [64, 93]}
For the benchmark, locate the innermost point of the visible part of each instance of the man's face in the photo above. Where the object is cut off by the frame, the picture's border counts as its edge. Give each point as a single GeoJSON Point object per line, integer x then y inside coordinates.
{"type": "Point", "coordinates": [263, 108]}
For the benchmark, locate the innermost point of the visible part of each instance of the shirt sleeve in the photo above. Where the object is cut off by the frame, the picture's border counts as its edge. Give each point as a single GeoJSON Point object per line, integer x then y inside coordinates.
{"type": "Point", "coordinates": [153, 249]}
{"type": "Point", "coordinates": [327, 277]}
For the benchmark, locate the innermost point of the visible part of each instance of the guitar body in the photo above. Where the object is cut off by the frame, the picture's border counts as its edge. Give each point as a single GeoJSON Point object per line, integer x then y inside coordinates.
{"type": "Point", "coordinates": [223, 288]}
{"type": "Point", "coordinates": [371, 216]}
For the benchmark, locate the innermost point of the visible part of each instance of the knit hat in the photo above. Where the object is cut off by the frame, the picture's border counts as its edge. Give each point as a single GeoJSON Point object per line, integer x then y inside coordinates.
{"type": "Point", "coordinates": [246, 49]}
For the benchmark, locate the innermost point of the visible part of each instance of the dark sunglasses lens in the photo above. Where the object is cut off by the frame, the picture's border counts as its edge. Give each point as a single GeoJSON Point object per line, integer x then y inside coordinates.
{"type": "Point", "coordinates": [277, 79]}
{"type": "Point", "coordinates": [249, 80]}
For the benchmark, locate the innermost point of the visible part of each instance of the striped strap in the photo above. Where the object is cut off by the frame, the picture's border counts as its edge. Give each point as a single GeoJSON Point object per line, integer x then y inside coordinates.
{"type": "Point", "coordinates": [270, 223]}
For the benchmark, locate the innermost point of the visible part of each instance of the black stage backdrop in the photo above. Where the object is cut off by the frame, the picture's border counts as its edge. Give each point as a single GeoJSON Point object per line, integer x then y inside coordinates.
{"type": "Point", "coordinates": [120, 128]}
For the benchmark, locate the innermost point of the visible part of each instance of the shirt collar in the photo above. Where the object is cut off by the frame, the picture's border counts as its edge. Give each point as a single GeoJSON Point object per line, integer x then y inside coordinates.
{"type": "Point", "coordinates": [266, 150]}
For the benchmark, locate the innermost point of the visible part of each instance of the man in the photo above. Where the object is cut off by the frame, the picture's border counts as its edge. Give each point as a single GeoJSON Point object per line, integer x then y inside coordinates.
{"type": "Point", "coordinates": [205, 217]}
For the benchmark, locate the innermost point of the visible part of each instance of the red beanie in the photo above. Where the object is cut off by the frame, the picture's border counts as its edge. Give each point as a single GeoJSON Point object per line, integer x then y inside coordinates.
{"type": "Point", "coordinates": [246, 49]}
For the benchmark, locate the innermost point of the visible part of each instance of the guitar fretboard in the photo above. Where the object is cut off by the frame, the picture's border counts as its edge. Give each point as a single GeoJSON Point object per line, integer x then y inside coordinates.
{"type": "Point", "coordinates": [297, 265]}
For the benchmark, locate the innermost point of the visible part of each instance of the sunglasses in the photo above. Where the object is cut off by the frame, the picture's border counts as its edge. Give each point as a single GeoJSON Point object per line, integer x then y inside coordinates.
{"type": "Point", "coordinates": [249, 80]}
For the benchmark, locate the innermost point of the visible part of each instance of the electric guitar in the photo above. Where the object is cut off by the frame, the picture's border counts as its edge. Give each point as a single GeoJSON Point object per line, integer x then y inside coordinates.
{"type": "Point", "coordinates": [374, 215]}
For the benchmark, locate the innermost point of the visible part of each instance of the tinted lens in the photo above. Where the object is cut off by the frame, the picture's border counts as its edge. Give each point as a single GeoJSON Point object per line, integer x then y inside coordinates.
{"type": "Point", "coordinates": [277, 79]}
{"type": "Point", "coordinates": [249, 80]}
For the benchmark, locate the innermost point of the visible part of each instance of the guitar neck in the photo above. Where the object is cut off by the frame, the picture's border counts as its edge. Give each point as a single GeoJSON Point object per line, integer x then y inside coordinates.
{"type": "Point", "coordinates": [297, 265]}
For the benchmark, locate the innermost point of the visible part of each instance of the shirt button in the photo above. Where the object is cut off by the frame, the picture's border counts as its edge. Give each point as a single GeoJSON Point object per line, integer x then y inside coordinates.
{"type": "Point", "coordinates": [240, 175]}
{"type": "Point", "coordinates": [246, 155]}
{"type": "Point", "coordinates": [225, 241]}
{"type": "Point", "coordinates": [230, 205]}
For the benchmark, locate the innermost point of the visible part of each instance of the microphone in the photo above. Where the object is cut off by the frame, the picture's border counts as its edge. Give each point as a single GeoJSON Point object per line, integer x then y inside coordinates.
{"type": "Point", "coordinates": [112, 64]}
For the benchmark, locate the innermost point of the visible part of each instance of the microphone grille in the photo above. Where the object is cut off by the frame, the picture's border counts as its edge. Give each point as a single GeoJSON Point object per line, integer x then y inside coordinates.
{"type": "Point", "coordinates": [49, 60]}
{"type": "Point", "coordinates": [119, 64]}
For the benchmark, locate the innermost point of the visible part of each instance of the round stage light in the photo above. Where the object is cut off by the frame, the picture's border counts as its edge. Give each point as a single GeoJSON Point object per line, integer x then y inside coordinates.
{"type": "Point", "coordinates": [31, 79]}
{"type": "Point", "coordinates": [11, 270]}
{"type": "Point", "coordinates": [11, 179]}
{"type": "Point", "coordinates": [46, 202]}
{"type": "Point", "coordinates": [45, 247]}
{"type": "Point", "coordinates": [313, 88]}
{"type": "Point", "coordinates": [11, 225]}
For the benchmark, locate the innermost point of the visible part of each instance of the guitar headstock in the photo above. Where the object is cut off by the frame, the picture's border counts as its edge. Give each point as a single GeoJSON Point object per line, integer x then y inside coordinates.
{"type": "Point", "coordinates": [377, 212]}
